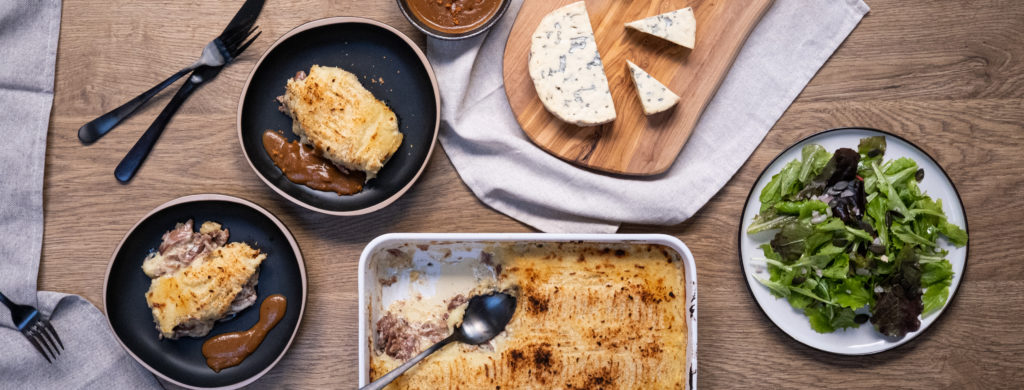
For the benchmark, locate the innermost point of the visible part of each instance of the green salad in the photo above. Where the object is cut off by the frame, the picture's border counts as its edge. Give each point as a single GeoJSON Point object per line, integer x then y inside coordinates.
{"type": "Point", "coordinates": [857, 239]}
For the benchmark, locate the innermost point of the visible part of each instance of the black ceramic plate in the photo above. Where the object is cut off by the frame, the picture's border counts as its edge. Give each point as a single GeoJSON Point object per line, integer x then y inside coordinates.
{"type": "Point", "coordinates": [181, 361]}
{"type": "Point", "coordinates": [372, 51]}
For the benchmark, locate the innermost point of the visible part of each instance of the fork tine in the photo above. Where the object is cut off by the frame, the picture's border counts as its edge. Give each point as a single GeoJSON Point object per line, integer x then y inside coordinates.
{"type": "Point", "coordinates": [232, 40]}
{"type": "Point", "coordinates": [44, 331]}
{"type": "Point", "coordinates": [39, 333]}
{"type": "Point", "coordinates": [53, 332]}
{"type": "Point", "coordinates": [242, 38]}
{"type": "Point", "coordinates": [38, 347]}
{"type": "Point", "coordinates": [241, 49]}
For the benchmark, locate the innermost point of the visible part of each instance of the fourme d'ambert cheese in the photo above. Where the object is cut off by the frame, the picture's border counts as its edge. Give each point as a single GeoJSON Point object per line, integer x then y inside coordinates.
{"type": "Point", "coordinates": [679, 26]}
{"type": "Point", "coordinates": [654, 96]}
{"type": "Point", "coordinates": [566, 68]}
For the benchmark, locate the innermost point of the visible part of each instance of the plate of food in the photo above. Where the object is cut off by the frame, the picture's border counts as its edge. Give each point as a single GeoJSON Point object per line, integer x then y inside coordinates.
{"type": "Point", "coordinates": [593, 311]}
{"type": "Point", "coordinates": [853, 241]}
{"type": "Point", "coordinates": [340, 115]}
{"type": "Point", "coordinates": [206, 291]}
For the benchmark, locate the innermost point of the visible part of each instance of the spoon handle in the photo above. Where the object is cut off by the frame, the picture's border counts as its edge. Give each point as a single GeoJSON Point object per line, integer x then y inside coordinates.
{"type": "Point", "coordinates": [394, 374]}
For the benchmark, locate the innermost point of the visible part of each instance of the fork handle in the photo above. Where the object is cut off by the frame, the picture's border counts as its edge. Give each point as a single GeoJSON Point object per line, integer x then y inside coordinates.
{"type": "Point", "coordinates": [92, 131]}
{"type": "Point", "coordinates": [131, 162]}
{"type": "Point", "coordinates": [7, 302]}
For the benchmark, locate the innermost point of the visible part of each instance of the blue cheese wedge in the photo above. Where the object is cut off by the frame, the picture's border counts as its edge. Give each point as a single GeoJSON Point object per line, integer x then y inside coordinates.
{"type": "Point", "coordinates": [654, 96]}
{"type": "Point", "coordinates": [566, 68]}
{"type": "Point", "coordinates": [679, 26]}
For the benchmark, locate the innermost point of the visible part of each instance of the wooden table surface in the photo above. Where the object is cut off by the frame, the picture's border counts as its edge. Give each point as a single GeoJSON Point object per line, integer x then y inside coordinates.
{"type": "Point", "coordinates": [947, 75]}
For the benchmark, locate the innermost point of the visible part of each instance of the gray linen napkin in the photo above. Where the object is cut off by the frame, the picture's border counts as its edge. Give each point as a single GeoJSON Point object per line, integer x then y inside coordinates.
{"type": "Point", "coordinates": [506, 171]}
{"type": "Point", "coordinates": [92, 357]}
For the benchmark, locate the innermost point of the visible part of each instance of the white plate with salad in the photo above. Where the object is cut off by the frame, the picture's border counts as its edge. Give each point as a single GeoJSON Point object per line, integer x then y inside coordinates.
{"type": "Point", "coordinates": [853, 241]}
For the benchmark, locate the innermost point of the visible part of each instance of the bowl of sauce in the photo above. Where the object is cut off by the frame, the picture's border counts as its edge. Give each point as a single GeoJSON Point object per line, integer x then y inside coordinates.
{"type": "Point", "coordinates": [453, 19]}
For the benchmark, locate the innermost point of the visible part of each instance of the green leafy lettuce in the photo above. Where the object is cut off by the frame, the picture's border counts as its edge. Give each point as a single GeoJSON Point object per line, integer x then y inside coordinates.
{"type": "Point", "coordinates": [882, 257]}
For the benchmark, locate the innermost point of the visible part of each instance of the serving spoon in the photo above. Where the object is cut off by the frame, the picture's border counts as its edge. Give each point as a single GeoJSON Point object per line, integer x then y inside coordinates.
{"type": "Point", "coordinates": [486, 316]}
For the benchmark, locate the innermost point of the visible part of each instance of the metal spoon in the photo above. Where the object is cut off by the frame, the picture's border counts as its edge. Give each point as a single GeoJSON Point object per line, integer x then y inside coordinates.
{"type": "Point", "coordinates": [486, 316]}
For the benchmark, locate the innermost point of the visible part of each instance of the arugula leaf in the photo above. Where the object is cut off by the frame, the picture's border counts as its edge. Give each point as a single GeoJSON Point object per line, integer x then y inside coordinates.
{"type": "Point", "coordinates": [777, 289]}
{"type": "Point", "coordinates": [860, 234]}
{"type": "Point", "coordinates": [830, 225]}
{"type": "Point", "coordinates": [909, 237]}
{"type": "Point", "coordinates": [876, 210]}
{"type": "Point", "coordinates": [789, 243]}
{"type": "Point", "coordinates": [768, 220]}
{"type": "Point", "coordinates": [803, 208]}
{"type": "Point", "coordinates": [894, 201]}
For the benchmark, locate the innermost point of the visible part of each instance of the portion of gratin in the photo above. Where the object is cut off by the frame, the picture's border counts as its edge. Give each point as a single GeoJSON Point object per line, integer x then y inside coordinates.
{"type": "Point", "coordinates": [335, 114]}
{"type": "Point", "coordinates": [588, 317]}
{"type": "Point", "coordinates": [197, 281]}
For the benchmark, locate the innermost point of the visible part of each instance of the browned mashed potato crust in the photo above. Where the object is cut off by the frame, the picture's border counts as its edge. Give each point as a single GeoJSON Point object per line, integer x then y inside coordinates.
{"type": "Point", "coordinates": [588, 317]}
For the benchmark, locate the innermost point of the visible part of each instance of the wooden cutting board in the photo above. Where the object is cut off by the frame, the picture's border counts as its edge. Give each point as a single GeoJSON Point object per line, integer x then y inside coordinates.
{"type": "Point", "coordinates": [633, 144]}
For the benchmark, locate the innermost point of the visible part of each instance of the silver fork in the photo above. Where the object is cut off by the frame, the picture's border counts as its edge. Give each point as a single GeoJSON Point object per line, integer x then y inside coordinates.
{"type": "Point", "coordinates": [218, 52]}
{"type": "Point", "coordinates": [35, 328]}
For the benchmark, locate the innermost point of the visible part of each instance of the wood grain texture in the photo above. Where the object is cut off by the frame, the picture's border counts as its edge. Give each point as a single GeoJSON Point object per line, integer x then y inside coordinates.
{"type": "Point", "coordinates": [947, 75]}
{"type": "Point", "coordinates": [633, 144]}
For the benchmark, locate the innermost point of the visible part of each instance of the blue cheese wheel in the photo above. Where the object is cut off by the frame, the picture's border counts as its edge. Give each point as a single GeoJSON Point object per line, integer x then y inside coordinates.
{"type": "Point", "coordinates": [566, 68]}
{"type": "Point", "coordinates": [654, 96]}
{"type": "Point", "coordinates": [679, 26]}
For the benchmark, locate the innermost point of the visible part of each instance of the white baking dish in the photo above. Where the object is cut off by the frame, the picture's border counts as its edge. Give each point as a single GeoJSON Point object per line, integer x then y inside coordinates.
{"type": "Point", "coordinates": [370, 297]}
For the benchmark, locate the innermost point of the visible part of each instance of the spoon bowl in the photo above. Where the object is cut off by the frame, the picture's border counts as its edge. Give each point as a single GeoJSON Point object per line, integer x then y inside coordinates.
{"type": "Point", "coordinates": [486, 317]}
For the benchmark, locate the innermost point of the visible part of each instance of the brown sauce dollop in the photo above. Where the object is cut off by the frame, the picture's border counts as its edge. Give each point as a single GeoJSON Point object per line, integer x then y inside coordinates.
{"type": "Point", "coordinates": [230, 349]}
{"type": "Point", "coordinates": [454, 16]}
{"type": "Point", "coordinates": [304, 165]}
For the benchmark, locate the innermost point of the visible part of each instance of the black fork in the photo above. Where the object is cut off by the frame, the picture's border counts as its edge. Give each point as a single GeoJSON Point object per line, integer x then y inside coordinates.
{"type": "Point", "coordinates": [219, 52]}
{"type": "Point", "coordinates": [37, 330]}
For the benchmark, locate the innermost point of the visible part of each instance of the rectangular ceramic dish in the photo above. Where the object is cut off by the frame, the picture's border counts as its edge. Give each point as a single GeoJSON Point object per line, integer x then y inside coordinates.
{"type": "Point", "coordinates": [430, 246]}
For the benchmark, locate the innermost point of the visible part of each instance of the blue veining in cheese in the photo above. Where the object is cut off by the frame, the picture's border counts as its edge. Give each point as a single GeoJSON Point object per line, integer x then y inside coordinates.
{"type": "Point", "coordinates": [654, 96]}
{"type": "Point", "coordinates": [679, 26]}
{"type": "Point", "coordinates": [566, 68]}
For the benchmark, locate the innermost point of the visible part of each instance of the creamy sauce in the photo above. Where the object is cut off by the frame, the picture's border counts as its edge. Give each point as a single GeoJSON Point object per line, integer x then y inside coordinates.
{"type": "Point", "coordinates": [454, 16]}
{"type": "Point", "coordinates": [230, 349]}
{"type": "Point", "coordinates": [304, 165]}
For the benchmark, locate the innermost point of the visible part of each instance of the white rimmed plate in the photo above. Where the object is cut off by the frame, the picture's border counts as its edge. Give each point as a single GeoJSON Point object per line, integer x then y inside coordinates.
{"type": "Point", "coordinates": [865, 339]}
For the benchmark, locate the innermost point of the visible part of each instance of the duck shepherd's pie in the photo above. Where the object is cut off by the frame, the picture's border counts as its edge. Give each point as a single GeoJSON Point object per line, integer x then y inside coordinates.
{"type": "Point", "coordinates": [588, 317]}
{"type": "Point", "coordinates": [197, 279]}
{"type": "Point", "coordinates": [332, 112]}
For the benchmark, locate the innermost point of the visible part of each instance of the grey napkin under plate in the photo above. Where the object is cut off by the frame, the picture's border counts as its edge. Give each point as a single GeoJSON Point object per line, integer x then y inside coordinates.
{"type": "Point", "coordinates": [506, 171]}
{"type": "Point", "coordinates": [92, 358]}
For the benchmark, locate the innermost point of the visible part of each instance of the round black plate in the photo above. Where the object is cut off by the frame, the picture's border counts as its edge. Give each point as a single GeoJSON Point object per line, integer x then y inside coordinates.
{"type": "Point", "coordinates": [182, 361]}
{"type": "Point", "coordinates": [372, 51]}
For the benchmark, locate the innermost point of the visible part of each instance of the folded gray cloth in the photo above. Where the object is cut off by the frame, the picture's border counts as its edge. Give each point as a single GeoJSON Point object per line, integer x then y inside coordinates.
{"type": "Point", "coordinates": [92, 357]}
{"type": "Point", "coordinates": [506, 171]}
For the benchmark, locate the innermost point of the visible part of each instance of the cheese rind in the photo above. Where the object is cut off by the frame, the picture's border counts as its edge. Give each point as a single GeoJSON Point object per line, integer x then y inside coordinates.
{"type": "Point", "coordinates": [654, 96]}
{"type": "Point", "coordinates": [679, 26]}
{"type": "Point", "coordinates": [566, 68]}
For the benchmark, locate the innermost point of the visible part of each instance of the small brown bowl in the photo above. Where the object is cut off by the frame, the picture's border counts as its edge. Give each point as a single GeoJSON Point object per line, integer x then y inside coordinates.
{"type": "Point", "coordinates": [427, 29]}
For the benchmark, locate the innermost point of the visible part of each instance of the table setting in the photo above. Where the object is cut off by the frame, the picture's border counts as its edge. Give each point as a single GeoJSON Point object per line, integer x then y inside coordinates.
{"type": "Point", "coordinates": [414, 194]}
